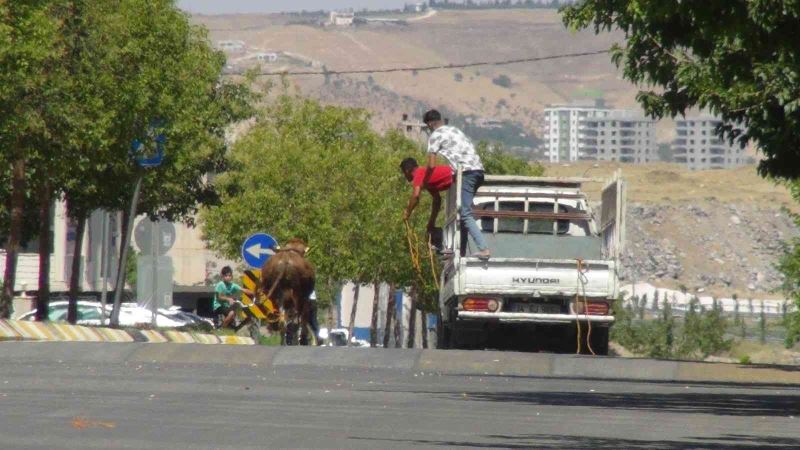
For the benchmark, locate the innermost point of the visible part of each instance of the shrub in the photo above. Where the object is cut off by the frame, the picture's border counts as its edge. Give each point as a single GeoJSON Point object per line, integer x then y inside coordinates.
{"type": "Point", "coordinates": [502, 81]}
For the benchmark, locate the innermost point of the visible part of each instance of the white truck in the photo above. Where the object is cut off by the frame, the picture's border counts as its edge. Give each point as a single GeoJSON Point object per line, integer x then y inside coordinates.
{"type": "Point", "coordinates": [553, 273]}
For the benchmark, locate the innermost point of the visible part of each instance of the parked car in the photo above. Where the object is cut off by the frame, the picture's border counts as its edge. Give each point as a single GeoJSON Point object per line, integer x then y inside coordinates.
{"type": "Point", "coordinates": [89, 313]}
{"type": "Point", "coordinates": [130, 315]}
{"type": "Point", "coordinates": [337, 337]}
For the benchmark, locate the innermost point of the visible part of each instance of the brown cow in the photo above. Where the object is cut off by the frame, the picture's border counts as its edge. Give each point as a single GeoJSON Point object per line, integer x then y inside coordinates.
{"type": "Point", "coordinates": [288, 279]}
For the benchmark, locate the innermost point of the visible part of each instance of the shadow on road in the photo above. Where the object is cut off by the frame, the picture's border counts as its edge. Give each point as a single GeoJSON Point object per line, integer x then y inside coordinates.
{"type": "Point", "coordinates": [737, 404]}
{"type": "Point", "coordinates": [553, 441]}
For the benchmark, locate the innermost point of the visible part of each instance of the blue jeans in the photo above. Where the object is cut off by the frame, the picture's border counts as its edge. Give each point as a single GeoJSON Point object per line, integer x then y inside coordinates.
{"type": "Point", "coordinates": [471, 180]}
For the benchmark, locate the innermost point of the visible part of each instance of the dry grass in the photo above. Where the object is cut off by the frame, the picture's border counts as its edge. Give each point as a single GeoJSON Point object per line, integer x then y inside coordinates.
{"type": "Point", "coordinates": [671, 183]}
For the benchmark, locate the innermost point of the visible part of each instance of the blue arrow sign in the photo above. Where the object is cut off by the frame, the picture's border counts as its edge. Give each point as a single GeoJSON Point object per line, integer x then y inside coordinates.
{"type": "Point", "coordinates": [257, 249]}
{"type": "Point", "coordinates": [139, 147]}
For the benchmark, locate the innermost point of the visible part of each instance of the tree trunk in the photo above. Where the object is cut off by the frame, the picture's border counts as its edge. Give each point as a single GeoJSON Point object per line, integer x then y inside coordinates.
{"type": "Point", "coordinates": [127, 228]}
{"type": "Point", "coordinates": [390, 308]}
{"type": "Point", "coordinates": [14, 237]}
{"type": "Point", "coordinates": [412, 319]}
{"type": "Point", "coordinates": [424, 329]}
{"type": "Point", "coordinates": [43, 296]}
{"type": "Point", "coordinates": [123, 237]}
{"type": "Point", "coordinates": [75, 274]}
{"type": "Point", "coordinates": [353, 310]}
{"type": "Point", "coordinates": [398, 322]}
{"type": "Point", "coordinates": [373, 326]}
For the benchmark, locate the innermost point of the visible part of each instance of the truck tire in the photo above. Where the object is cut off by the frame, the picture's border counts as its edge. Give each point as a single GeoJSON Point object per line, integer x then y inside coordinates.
{"type": "Point", "coordinates": [443, 336]}
{"type": "Point", "coordinates": [599, 341]}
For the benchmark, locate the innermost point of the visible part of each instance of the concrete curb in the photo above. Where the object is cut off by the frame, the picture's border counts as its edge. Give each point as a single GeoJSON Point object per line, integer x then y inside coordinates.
{"type": "Point", "coordinates": [21, 330]}
{"type": "Point", "coordinates": [447, 362]}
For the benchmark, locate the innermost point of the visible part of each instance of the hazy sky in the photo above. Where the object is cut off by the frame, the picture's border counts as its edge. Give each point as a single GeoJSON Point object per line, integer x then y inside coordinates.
{"type": "Point", "coordinates": [269, 6]}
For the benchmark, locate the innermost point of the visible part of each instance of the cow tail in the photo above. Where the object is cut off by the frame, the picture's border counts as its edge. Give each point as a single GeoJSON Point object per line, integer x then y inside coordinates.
{"type": "Point", "coordinates": [278, 278]}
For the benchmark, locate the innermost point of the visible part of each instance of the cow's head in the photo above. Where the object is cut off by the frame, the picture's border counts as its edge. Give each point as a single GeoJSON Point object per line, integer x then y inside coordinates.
{"type": "Point", "coordinates": [295, 245]}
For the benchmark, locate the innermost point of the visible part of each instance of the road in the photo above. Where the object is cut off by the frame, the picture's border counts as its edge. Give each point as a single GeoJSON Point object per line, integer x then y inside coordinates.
{"type": "Point", "coordinates": [79, 403]}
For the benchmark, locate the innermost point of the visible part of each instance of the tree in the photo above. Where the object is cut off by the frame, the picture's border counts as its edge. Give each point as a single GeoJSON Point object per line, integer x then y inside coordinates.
{"type": "Point", "coordinates": [115, 69]}
{"type": "Point", "coordinates": [29, 48]}
{"type": "Point", "coordinates": [502, 80]}
{"type": "Point", "coordinates": [317, 172]}
{"type": "Point", "coordinates": [736, 58]}
{"type": "Point", "coordinates": [497, 162]}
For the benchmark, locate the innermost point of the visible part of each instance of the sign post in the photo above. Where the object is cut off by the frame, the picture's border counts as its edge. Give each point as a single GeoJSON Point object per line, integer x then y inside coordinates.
{"type": "Point", "coordinates": [146, 157]}
{"type": "Point", "coordinates": [154, 280]}
{"type": "Point", "coordinates": [257, 249]}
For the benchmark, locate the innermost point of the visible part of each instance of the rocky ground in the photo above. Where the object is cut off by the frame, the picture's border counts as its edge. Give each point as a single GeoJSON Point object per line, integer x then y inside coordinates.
{"type": "Point", "coordinates": [719, 248]}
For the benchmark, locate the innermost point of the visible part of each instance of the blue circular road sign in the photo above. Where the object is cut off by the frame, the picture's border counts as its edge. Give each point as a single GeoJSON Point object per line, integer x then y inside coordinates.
{"type": "Point", "coordinates": [257, 249]}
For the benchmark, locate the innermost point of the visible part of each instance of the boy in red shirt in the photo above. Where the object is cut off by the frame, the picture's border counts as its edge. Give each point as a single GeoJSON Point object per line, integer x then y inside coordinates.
{"type": "Point", "coordinates": [440, 180]}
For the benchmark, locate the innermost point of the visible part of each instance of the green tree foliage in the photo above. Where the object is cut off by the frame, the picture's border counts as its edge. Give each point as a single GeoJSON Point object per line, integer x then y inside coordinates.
{"type": "Point", "coordinates": [81, 80]}
{"type": "Point", "coordinates": [701, 334]}
{"type": "Point", "coordinates": [789, 265]}
{"type": "Point", "coordinates": [497, 162]}
{"type": "Point", "coordinates": [318, 173]}
{"type": "Point", "coordinates": [736, 58]}
{"type": "Point", "coordinates": [29, 55]}
{"type": "Point", "coordinates": [502, 80]}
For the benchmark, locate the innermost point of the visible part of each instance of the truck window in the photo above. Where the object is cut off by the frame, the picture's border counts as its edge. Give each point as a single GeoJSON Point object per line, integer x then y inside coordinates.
{"type": "Point", "coordinates": [516, 225]}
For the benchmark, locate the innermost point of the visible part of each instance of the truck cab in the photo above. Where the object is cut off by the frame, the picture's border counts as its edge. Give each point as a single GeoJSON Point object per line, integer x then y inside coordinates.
{"type": "Point", "coordinates": [553, 274]}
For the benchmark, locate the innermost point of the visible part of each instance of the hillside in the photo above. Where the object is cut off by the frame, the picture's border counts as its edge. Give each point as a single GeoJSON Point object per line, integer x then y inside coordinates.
{"type": "Point", "coordinates": [720, 231]}
{"type": "Point", "coordinates": [446, 37]}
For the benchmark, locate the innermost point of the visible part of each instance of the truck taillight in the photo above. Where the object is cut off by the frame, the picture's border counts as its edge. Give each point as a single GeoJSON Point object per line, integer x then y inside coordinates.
{"type": "Point", "coordinates": [592, 308]}
{"type": "Point", "coordinates": [480, 304]}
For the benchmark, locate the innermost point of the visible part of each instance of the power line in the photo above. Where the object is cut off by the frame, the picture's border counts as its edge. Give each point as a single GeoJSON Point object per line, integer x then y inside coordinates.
{"type": "Point", "coordinates": [437, 67]}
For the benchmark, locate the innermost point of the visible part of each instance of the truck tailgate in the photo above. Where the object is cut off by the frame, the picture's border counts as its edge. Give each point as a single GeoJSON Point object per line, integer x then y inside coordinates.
{"type": "Point", "coordinates": [523, 276]}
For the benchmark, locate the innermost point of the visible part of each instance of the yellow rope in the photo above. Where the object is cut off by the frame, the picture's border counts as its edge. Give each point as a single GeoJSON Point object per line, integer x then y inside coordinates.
{"type": "Point", "coordinates": [582, 284]}
{"type": "Point", "coordinates": [413, 249]}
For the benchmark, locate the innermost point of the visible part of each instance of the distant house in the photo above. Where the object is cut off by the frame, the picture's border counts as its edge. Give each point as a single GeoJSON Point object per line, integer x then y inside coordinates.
{"type": "Point", "coordinates": [231, 46]}
{"type": "Point", "coordinates": [341, 19]}
{"type": "Point", "coordinates": [267, 57]}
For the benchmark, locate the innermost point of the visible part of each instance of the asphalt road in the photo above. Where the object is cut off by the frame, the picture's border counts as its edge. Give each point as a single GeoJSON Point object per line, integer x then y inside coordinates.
{"type": "Point", "coordinates": [64, 404]}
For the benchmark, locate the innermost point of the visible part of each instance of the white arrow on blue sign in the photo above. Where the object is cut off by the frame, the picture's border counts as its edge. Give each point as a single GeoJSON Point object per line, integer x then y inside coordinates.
{"type": "Point", "coordinates": [257, 249]}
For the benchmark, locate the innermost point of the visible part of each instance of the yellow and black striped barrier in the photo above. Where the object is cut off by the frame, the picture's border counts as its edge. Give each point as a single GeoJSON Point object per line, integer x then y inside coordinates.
{"type": "Point", "coordinates": [261, 308]}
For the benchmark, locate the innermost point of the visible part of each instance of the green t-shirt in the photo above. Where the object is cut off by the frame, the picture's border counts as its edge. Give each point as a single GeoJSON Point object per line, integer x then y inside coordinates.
{"type": "Point", "coordinates": [227, 290]}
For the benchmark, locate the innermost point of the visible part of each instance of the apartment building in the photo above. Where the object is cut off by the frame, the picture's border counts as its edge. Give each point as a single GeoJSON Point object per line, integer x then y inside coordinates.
{"type": "Point", "coordinates": [697, 145]}
{"type": "Point", "coordinates": [597, 133]}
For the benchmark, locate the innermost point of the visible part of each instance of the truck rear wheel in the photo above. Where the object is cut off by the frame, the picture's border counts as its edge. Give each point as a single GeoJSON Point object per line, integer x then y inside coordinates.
{"type": "Point", "coordinates": [599, 341]}
{"type": "Point", "coordinates": [443, 333]}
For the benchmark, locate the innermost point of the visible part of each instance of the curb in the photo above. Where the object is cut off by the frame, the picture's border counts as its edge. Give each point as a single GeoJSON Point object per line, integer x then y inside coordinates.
{"type": "Point", "coordinates": [7, 332]}
{"type": "Point", "coordinates": [445, 362]}
{"type": "Point", "coordinates": [22, 330]}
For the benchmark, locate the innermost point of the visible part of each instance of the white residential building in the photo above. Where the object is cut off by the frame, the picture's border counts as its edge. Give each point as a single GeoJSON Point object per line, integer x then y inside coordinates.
{"type": "Point", "coordinates": [697, 145]}
{"type": "Point", "coordinates": [231, 46]}
{"type": "Point", "coordinates": [594, 132]}
{"type": "Point", "coordinates": [341, 19]}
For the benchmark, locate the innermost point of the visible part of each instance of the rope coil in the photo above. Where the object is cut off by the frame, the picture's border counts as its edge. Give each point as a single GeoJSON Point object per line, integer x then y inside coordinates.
{"type": "Point", "coordinates": [413, 249]}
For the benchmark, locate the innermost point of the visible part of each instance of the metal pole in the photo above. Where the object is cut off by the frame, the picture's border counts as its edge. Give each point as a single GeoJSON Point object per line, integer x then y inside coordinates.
{"type": "Point", "coordinates": [105, 261]}
{"type": "Point", "coordinates": [124, 256]}
{"type": "Point", "coordinates": [154, 250]}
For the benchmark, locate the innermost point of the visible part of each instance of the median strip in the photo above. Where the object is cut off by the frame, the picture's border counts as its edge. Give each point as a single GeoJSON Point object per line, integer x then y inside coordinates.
{"type": "Point", "coordinates": [61, 332]}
